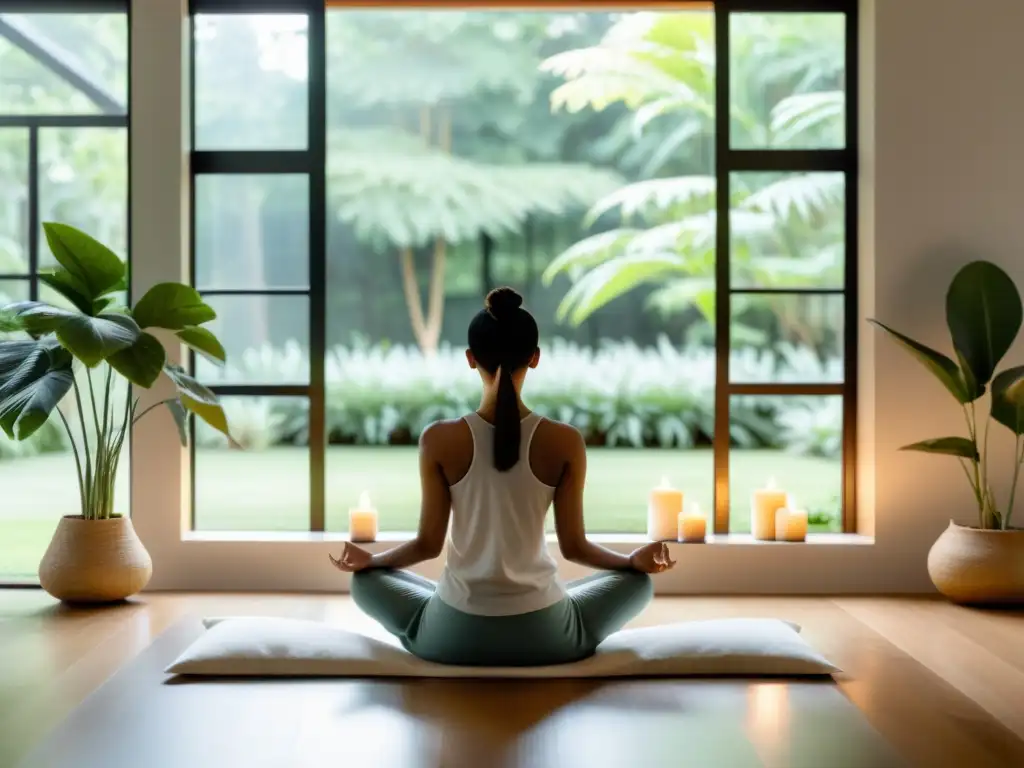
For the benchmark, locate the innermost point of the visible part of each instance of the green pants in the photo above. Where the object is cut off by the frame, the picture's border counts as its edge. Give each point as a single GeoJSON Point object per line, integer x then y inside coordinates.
{"type": "Point", "coordinates": [570, 630]}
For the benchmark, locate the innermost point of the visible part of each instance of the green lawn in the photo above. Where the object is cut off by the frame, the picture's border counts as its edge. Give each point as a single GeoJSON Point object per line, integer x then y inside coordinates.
{"type": "Point", "coordinates": [268, 491]}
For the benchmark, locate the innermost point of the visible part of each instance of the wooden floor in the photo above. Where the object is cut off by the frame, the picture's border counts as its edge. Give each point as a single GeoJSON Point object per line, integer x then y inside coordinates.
{"type": "Point", "coordinates": [941, 685]}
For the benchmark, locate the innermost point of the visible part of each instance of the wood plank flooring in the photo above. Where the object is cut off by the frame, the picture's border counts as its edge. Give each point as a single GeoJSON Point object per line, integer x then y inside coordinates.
{"type": "Point", "coordinates": [941, 685]}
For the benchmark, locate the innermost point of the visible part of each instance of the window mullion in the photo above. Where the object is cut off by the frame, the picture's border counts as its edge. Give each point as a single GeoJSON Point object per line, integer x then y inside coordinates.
{"type": "Point", "coordinates": [317, 94]}
{"type": "Point", "coordinates": [722, 271]}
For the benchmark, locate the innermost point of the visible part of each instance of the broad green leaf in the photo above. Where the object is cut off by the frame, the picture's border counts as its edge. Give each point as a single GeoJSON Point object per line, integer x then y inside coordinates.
{"type": "Point", "coordinates": [34, 377]}
{"type": "Point", "coordinates": [984, 314]}
{"type": "Point", "coordinates": [91, 339]}
{"type": "Point", "coordinates": [213, 415]}
{"type": "Point", "coordinates": [142, 362]}
{"type": "Point", "coordinates": [94, 339]}
{"type": "Point", "coordinates": [1008, 399]}
{"type": "Point", "coordinates": [68, 286]}
{"type": "Point", "coordinates": [94, 266]}
{"type": "Point", "coordinates": [23, 362]}
{"type": "Point", "coordinates": [180, 416]}
{"type": "Point", "coordinates": [100, 305]}
{"type": "Point", "coordinates": [950, 446]}
{"type": "Point", "coordinates": [204, 342]}
{"type": "Point", "coordinates": [198, 399]}
{"type": "Point", "coordinates": [614, 278]}
{"type": "Point", "coordinates": [944, 369]}
{"type": "Point", "coordinates": [172, 306]}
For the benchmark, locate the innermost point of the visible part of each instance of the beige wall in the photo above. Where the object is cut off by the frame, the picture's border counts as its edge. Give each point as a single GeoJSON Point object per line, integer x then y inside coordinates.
{"type": "Point", "coordinates": [948, 178]}
{"type": "Point", "coordinates": [943, 163]}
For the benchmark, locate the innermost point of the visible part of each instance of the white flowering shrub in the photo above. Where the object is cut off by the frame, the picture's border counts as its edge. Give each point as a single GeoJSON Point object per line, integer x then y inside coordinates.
{"type": "Point", "coordinates": [617, 394]}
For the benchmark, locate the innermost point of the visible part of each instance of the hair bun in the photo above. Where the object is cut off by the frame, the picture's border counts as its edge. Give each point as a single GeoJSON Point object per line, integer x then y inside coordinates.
{"type": "Point", "coordinates": [502, 302]}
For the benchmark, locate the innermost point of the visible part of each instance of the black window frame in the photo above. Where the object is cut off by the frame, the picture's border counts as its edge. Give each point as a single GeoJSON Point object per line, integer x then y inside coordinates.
{"type": "Point", "coordinates": [728, 161]}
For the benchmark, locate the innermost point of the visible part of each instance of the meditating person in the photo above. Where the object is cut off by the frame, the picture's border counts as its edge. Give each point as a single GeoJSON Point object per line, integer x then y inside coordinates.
{"type": "Point", "coordinates": [496, 472]}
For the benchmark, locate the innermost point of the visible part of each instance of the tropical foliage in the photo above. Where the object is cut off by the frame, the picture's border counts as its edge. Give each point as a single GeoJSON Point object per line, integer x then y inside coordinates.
{"type": "Point", "coordinates": [786, 229]}
{"type": "Point", "coordinates": [54, 349]}
{"type": "Point", "coordinates": [984, 315]}
{"type": "Point", "coordinates": [412, 170]}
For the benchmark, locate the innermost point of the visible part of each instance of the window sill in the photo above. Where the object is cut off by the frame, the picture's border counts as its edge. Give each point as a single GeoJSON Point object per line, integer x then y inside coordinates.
{"type": "Point", "coordinates": [608, 539]}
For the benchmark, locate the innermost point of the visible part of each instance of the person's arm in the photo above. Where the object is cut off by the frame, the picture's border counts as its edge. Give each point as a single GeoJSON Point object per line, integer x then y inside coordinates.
{"type": "Point", "coordinates": [435, 510]}
{"type": "Point", "coordinates": [572, 536]}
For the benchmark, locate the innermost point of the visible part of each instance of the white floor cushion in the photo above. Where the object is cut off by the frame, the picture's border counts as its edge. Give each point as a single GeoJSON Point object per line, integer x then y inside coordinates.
{"type": "Point", "coordinates": [258, 647]}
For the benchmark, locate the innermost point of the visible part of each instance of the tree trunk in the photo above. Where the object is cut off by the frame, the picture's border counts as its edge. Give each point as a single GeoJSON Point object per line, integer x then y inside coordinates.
{"type": "Point", "coordinates": [427, 328]}
{"type": "Point", "coordinates": [413, 303]}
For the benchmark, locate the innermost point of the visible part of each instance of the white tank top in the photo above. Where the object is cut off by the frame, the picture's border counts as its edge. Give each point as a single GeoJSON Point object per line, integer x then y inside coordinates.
{"type": "Point", "coordinates": [498, 561]}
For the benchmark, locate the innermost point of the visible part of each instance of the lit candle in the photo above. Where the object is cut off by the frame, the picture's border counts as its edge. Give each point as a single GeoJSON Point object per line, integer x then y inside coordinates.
{"type": "Point", "coordinates": [692, 525]}
{"type": "Point", "coordinates": [362, 520]}
{"type": "Point", "coordinates": [663, 510]}
{"type": "Point", "coordinates": [763, 505]}
{"type": "Point", "coordinates": [790, 523]}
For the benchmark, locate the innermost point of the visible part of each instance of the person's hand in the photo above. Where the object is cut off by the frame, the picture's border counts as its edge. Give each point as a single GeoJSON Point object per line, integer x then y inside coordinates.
{"type": "Point", "coordinates": [353, 559]}
{"type": "Point", "coordinates": [652, 558]}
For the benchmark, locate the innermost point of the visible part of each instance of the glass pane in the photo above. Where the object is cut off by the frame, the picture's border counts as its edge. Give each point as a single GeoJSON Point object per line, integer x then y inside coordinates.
{"type": "Point", "coordinates": [91, 52]}
{"type": "Point", "coordinates": [794, 444]}
{"type": "Point", "coordinates": [265, 486]}
{"type": "Point", "coordinates": [252, 232]}
{"type": "Point", "coordinates": [45, 461]}
{"type": "Point", "coordinates": [788, 80]}
{"type": "Point", "coordinates": [787, 338]}
{"type": "Point", "coordinates": [251, 82]}
{"type": "Point", "coordinates": [445, 126]}
{"type": "Point", "coordinates": [13, 201]}
{"type": "Point", "coordinates": [787, 230]}
{"type": "Point", "coordinates": [266, 338]}
{"type": "Point", "coordinates": [12, 291]}
{"type": "Point", "coordinates": [83, 181]}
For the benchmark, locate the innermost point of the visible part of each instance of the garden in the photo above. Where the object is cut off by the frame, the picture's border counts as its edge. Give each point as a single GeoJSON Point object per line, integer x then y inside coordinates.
{"type": "Point", "coordinates": [568, 154]}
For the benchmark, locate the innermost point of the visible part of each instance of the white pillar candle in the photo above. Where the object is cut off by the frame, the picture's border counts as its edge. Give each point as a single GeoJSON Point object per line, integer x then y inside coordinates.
{"type": "Point", "coordinates": [362, 520]}
{"type": "Point", "coordinates": [790, 524]}
{"type": "Point", "coordinates": [692, 525]}
{"type": "Point", "coordinates": [664, 506]}
{"type": "Point", "coordinates": [763, 504]}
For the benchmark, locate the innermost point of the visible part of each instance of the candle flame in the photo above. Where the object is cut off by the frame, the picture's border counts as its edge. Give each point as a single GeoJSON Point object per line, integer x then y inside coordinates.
{"type": "Point", "coordinates": [695, 509]}
{"type": "Point", "coordinates": [364, 500]}
{"type": "Point", "coordinates": [771, 484]}
{"type": "Point", "coordinates": [664, 482]}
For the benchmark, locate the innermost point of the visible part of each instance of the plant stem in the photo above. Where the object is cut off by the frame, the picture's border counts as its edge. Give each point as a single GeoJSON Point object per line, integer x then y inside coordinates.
{"type": "Point", "coordinates": [993, 509]}
{"type": "Point", "coordinates": [138, 418]}
{"type": "Point", "coordinates": [1018, 456]}
{"type": "Point", "coordinates": [106, 400]}
{"type": "Point", "coordinates": [967, 474]}
{"type": "Point", "coordinates": [92, 402]}
{"type": "Point", "coordinates": [979, 490]}
{"type": "Point", "coordinates": [78, 460]}
{"type": "Point", "coordinates": [88, 454]}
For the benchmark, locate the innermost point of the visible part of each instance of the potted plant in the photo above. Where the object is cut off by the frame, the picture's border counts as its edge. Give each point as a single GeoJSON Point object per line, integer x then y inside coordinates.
{"type": "Point", "coordinates": [982, 562]}
{"type": "Point", "coordinates": [94, 350]}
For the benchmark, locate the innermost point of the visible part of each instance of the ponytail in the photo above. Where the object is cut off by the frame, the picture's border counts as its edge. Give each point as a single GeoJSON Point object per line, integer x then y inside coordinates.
{"type": "Point", "coordinates": [507, 431]}
{"type": "Point", "coordinates": [503, 339]}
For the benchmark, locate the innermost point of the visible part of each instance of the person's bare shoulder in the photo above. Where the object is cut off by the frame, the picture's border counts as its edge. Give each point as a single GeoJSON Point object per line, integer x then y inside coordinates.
{"type": "Point", "coordinates": [561, 434]}
{"type": "Point", "coordinates": [437, 437]}
{"type": "Point", "coordinates": [555, 445]}
{"type": "Point", "coordinates": [448, 444]}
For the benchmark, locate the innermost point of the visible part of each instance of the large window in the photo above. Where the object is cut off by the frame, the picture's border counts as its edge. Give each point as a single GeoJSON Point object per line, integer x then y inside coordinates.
{"type": "Point", "coordinates": [671, 188]}
{"type": "Point", "coordinates": [63, 157]}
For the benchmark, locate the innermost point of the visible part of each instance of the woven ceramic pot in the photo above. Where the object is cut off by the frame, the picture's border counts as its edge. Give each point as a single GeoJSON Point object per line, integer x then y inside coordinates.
{"type": "Point", "coordinates": [95, 561]}
{"type": "Point", "coordinates": [975, 566]}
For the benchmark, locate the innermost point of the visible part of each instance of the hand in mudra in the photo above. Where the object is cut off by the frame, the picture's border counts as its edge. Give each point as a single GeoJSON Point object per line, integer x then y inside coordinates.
{"type": "Point", "coordinates": [652, 558]}
{"type": "Point", "coordinates": [353, 559]}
